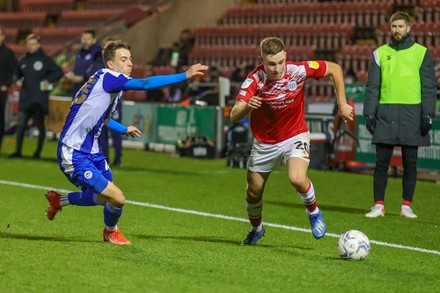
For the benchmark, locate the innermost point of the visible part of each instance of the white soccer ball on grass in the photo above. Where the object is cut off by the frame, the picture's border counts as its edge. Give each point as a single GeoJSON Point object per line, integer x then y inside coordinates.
{"type": "Point", "coordinates": [353, 245]}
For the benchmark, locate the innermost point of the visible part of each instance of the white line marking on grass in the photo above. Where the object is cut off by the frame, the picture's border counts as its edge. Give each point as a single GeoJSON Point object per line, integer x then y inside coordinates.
{"type": "Point", "coordinates": [218, 216]}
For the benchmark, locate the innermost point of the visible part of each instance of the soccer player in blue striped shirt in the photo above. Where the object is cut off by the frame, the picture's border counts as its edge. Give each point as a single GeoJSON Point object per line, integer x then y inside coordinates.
{"type": "Point", "coordinates": [79, 152]}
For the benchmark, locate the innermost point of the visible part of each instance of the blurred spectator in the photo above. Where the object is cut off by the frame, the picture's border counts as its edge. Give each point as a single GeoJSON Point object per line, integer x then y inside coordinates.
{"type": "Point", "coordinates": [8, 66]}
{"type": "Point", "coordinates": [98, 62]}
{"type": "Point", "coordinates": [36, 74]}
{"type": "Point", "coordinates": [205, 90]}
{"type": "Point", "coordinates": [238, 76]}
{"type": "Point", "coordinates": [163, 57]}
{"type": "Point", "coordinates": [64, 86]}
{"type": "Point", "coordinates": [241, 72]}
{"type": "Point", "coordinates": [182, 47]}
{"type": "Point", "coordinates": [178, 55]}
{"type": "Point", "coordinates": [84, 61]}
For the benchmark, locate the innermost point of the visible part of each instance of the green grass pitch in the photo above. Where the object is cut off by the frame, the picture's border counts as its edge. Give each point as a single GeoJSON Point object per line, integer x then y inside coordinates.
{"type": "Point", "coordinates": [186, 219]}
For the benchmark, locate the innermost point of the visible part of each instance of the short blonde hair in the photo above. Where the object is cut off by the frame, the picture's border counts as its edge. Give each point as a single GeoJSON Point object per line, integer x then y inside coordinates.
{"type": "Point", "coordinates": [271, 46]}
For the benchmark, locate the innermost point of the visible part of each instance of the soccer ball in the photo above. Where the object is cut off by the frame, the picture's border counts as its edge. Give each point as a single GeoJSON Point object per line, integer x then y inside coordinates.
{"type": "Point", "coordinates": [353, 244]}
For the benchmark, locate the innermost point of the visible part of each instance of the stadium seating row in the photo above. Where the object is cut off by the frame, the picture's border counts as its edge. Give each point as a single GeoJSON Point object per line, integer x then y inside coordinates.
{"type": "Point", "coordinates": [320, 36]}
{"type": "Point", "coordinates": [49, 6]}
{"type": "Point", "coordinates": [56, 6]}
{"type": "Point", "coordinates": [356, 57]}
{"type": "Point", "coordinates": [20, 50]}
{"type": "Point", "coordinates": [57, 35]}
{"type": "Point", "coordinates": [22, 20]}
{"type": "Point", "coordinates": [358, 13]}
{"type": "Point", "coordinates": [87, 17]}
{"type": "Point", "coordinates": [430, 14]}
{"type": "Point", "coordinates": [232, 56]}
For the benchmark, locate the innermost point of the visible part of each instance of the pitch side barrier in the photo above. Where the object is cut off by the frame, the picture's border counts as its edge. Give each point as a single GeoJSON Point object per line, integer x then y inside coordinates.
{"type": "Point", "coordinates": [163, 125]}
{"type": "Point", "coordinates": [428, 157]}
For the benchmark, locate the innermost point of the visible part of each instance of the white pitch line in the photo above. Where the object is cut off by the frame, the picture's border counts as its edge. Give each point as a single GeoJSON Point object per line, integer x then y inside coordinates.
{"type": "Point", "coordinates": [219, 216]}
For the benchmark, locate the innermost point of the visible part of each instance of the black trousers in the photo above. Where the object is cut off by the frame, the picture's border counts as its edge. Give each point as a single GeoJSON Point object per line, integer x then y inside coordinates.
{"type": "Point", "coordinates": [384, 153]}
{"type": "Point", "coordinates": [38, 115]}
{"type": "Point", "coordinates": [3, 99]}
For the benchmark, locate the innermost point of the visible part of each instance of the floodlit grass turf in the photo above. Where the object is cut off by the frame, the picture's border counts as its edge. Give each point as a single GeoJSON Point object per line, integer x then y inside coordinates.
{"type": "Point", "coordinates": [179, 252]}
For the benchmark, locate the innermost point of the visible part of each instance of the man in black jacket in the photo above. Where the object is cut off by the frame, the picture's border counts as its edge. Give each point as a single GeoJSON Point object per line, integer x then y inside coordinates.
{"type": "Point", "coordinates": [36, 74]}
{"type": "Point", "coordinates": [399, 106]}
{"type": "Point", "coordinates": [8, 65]}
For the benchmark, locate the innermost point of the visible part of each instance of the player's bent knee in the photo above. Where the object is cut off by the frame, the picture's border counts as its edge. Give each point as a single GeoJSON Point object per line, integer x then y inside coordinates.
{"type": "Point", "coordinates": [297, 181]}
{"type": "Point", "coordinates": [254, 194]}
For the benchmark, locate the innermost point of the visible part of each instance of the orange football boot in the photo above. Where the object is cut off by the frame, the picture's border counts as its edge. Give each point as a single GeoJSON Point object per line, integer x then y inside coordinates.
{"type": "Point", "coordinates": [54, 207]}
{"type": "Point", "coordinates": [115, 237]}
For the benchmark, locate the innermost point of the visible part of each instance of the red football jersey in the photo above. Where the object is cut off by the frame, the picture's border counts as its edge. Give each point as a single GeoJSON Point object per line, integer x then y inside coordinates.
{"type": "Point", "coordinates": [281, 115]}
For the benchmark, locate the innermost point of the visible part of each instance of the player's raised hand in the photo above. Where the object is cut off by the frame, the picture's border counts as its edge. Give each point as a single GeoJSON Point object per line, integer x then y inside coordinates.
{"type": "Point", "coordinates": [196, 69]}
{"type": "Point", "coordinates": [133, 132]}
{"type": "Point", "coordinates": [346, 112]}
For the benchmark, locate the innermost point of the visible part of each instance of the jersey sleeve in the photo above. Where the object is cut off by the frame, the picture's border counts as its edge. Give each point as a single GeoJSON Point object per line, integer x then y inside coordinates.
{"type": "Point", "coordinates": [316, 69]}
{"type": "Point", "coordinates": [114, 84]}
{"type": "Point", "coordinates": [154, 81]}
{"type": "Point", "coordinates": [247, 89]}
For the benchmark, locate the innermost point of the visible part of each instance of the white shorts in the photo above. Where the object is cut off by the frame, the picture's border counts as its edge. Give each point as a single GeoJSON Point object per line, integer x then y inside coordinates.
{"type": "Point", "coordinates": [266, 157]}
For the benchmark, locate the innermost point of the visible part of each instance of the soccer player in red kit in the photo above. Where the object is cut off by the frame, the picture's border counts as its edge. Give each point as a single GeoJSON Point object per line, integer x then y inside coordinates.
{"type": "Point", "coordinates": [273, 96]}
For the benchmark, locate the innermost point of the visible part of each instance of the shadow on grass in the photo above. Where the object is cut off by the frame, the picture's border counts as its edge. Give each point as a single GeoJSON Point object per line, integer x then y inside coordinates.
{"type": "Point", "coordinates": [348, 210]}
{"type": "Point", "coordinates": [155, 170]}
{"type": "Point", "coordinates": [216, 240]}
{"type": "Point", "coordinates": [30, 158]}
{"type": "Point", "coordinates": [43, 238]}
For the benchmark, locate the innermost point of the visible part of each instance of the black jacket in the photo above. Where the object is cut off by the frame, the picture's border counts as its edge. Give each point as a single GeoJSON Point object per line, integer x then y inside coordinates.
{"type": "Point", "coordinates": [8, 65]}
{"type": "Point", "coordinates": [400, 124]}
{"type": "Point", "coordinates": [34, 68]}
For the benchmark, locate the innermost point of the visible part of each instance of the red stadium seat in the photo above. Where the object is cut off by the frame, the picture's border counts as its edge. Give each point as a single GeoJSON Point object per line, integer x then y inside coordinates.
{"type": "Point", "coordinates": [22, 20]}
{"type": "Point", "coordinates": [49, 6]}
{"type": "Point", "coordinates": [20, 50]}
{"type": "Point", "coordinates": [88, 17]}
{"type": "Point", "coordinates": [111, 4]}
{"type": "Point", "coordinates": [11, 34]}
{"type": "Point", "coordinates": [319, 36]}
{"type": "Point", "coordinates": [57, 35]}
{"type": "Point", "coordinates": [363, 14]}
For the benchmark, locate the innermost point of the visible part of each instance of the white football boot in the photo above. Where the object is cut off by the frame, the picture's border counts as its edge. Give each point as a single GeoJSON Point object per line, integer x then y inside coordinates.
{"type": "Point", "coordinates": [407, 212]}
{"type": "Point", "coordinates": [376, 211]}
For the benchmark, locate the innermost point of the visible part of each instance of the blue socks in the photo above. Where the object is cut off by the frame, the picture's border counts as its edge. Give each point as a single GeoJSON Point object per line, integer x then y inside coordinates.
{"type": "Point", "coordinates": [84, 198]}
{"type": "Point", "coordinates": [111, 215]}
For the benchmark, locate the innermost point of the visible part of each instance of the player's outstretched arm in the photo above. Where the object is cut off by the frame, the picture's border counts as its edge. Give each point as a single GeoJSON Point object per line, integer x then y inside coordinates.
{"type": "Point", "coordinates": [164, 80]}
{"type": "Point", "coordinates": [196, 69]}
{"type": "Point", "coordinates": [345, 110]}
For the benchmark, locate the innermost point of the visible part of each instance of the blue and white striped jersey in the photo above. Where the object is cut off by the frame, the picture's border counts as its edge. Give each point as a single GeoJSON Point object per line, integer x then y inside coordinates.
{"type": "Point", "coordinates": [92, 106]}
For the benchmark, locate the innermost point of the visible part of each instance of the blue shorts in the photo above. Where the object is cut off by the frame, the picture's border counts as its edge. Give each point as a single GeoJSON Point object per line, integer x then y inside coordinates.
{"type": "Point", "coordinates": [87, 171]}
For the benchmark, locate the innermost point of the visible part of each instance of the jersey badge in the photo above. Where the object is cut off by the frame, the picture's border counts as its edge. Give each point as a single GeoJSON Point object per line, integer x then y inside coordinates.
{"type": "Point", "coordinates": [88, 174]}
{"type": "Point", "coordinates": [246, 83]}
{"type": "Point", "coordinates": [313, 64]}
{"type": "Point", "coordinates": [292, 85]}
{"type": "Point", "coordinates": [38, 65]}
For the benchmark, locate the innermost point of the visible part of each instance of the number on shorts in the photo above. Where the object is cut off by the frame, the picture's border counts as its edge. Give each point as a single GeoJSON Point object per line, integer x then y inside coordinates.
{"type": "Point", "coordinates": [302, 145]}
